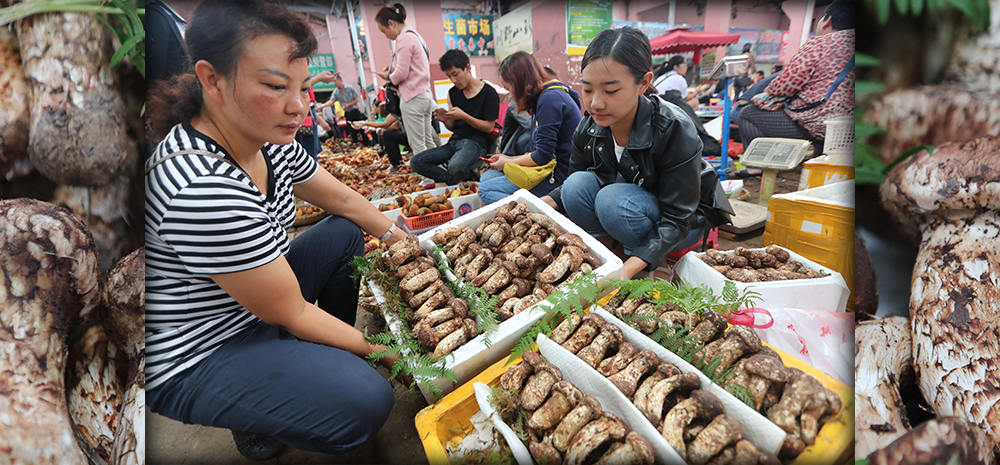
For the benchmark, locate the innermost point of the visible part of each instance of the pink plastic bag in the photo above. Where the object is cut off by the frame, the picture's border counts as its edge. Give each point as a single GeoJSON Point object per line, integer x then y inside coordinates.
{"type": "Point", "coordinates": [824, 340]}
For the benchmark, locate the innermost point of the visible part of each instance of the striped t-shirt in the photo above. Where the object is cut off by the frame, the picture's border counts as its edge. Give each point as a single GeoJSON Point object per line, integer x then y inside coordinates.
{"type": "Point", "coordinates": [204, 216]}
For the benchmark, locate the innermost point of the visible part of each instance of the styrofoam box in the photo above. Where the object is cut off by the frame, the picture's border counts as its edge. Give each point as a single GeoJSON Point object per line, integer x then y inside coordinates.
{"type": "Point", "coordinates": [828, 294]}
{"type": "Point", "coordinates": [475, 356]}
{"type": "Point", "coordinates": [464, 204]}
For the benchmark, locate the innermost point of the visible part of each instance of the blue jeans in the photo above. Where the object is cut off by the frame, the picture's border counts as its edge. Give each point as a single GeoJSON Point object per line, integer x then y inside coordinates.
{"type": "Point", "coordinates": [265, 380]}
{"type": "Point", "coordinates": [461, 155]}
{"type": "Point", "coordinates": [493, 186]}
{"type": "Point", "coordinates": [622, 210]}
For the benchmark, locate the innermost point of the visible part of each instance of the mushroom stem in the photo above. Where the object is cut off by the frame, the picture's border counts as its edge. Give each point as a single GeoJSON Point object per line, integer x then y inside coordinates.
{"type": "Point", "coordinates": [881, 355]}
{"type": "Point", "coordinates": [49, 283]}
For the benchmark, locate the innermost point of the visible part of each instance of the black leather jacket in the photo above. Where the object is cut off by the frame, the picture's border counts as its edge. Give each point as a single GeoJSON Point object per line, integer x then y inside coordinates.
{"type": "Point", "coordinates": [663, 156]}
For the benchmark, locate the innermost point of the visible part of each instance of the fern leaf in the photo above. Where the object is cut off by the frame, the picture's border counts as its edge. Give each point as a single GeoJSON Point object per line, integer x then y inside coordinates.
{"type": "Point", "coordinates": [743, 394]}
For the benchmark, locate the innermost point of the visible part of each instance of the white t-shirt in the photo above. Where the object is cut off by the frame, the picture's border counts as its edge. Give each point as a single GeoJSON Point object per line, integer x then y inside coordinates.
{"type": "Point", "coordinates": [619, 150]}
{"type": "Point", "coordinates": [204, 216]}
{"type": "Point", "coordinates": [672, 81]}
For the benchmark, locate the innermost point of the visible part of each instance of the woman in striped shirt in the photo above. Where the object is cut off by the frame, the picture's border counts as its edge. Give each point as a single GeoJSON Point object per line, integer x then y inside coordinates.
{"type": "Point", "coordinates": [234, 339]}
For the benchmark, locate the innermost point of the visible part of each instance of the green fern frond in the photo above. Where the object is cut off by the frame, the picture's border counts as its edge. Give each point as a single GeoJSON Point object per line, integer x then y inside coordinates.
{"type": "Point", "coordinates": [520, 426]}
{"type": "Point", "coordinates": [710, 368]}
{"type": "Point", "coordinates": [722, 378]}
{"type": "Point", "coordinates": [560, 305]}
{"type": "Point", "coordinates": [743, 394]}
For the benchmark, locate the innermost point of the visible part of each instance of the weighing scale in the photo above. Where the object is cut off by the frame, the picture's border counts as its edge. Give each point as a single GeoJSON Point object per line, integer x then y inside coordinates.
{"type": "Point", "coordinates": [773, 154]}
{"type": "Point", "coordinates": [727, 68]}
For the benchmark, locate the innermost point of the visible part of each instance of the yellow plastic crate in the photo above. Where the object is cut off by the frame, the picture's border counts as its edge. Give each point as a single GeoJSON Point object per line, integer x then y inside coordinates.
{"type": "Point", "coordinates": [818, 224]}
{"type": "Point", "coordinates": [816, 174]}
{"type": "Point", "coordinates": [447, 422]}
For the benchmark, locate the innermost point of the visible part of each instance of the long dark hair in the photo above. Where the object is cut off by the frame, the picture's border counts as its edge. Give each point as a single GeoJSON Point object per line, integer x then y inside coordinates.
{"type": "Point", "coordinates": [396, 13]}
{"type": "Point", "coordinates": [626, 45]}
{"type": "Point", "coordinates": [523, 73]}
{"type": "Point", "coordinates": [218, 33]}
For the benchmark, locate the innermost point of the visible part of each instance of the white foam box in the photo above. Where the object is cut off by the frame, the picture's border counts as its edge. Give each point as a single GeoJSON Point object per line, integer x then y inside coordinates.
{"type": "Point", "coordinates": [464, 204]}
{"type": "Point", "coordinates": [475, 356]}
{"type": "Point", "coordinates": [827, 294]}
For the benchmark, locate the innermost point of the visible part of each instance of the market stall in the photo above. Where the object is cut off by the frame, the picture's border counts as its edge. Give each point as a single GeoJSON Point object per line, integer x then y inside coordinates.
{"type": "Point", "coordinates": [525, 344]}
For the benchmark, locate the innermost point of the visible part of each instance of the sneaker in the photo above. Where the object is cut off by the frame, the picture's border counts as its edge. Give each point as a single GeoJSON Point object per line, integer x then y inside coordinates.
{"type": "Point", "coordinates": [393, 169]}
{"type": "Point", "coordinates": [258, 447]}
{"type": "Point", "coordinates": [427, 181]}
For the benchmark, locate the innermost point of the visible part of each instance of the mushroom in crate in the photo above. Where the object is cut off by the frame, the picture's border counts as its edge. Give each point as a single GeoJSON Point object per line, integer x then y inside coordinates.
{"type": "Point", "coordinates": [519, 255]}
{"type": "Point", "coordinates": [758, 265]}
{"type": "Point", "coordinates": [692, 421]}
{"type": "Point", "coordinates": [440, 321]}
{"type": "Point", "coordinates": [563, 424]}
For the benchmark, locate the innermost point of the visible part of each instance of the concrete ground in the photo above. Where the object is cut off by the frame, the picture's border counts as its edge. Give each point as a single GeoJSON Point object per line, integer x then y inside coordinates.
{"type": "Point", "coordinates": [171, 442]}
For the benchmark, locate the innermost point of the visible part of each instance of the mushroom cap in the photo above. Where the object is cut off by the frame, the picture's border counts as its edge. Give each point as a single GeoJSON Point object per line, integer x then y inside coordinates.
{"type": "Point", "coordinates": [573, 395]}
{"type": "Point", "coordinates": [767, 367]}
{"type": "Point", "coordinates": [747, 335]}
{"type": "Point", "coordinates": [471, 328]}
{"type": "Point", "coordinates": [532, 358]}
{"type": "Point", "coordinates": [957, 176]}
{"type": "Point", "coordinates": [709, 405]}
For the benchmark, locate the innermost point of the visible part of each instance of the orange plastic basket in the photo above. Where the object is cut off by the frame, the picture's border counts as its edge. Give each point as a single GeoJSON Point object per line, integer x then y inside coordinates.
{"type": "Point", "coordinates": [429, 220]}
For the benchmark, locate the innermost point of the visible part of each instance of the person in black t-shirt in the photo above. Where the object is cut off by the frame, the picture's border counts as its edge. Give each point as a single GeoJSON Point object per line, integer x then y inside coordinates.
{"type": "Point", "coordinates": [475, 107]}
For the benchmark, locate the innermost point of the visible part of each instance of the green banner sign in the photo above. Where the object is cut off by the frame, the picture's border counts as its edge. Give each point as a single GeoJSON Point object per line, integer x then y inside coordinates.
{"type": "Point", "coordinates": [319, 63]}
{"type": "Point", "coordinates": [584, 20]}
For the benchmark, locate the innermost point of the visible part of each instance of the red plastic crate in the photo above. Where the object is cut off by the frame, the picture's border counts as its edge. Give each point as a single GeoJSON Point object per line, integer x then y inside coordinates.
{"type": "Point", "coordinates": [428, 221]}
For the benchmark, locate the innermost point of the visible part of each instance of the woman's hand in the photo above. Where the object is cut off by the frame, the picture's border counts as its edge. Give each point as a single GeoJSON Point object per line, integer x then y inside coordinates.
{"type": "Point", "coordinates": [389, 361]}
{"type": "Point", "coordinates": [550, 202]}
{"type": "Point", "coordinates": [498, 160]}
{"type": "Point", "coordinates": [632, 266]}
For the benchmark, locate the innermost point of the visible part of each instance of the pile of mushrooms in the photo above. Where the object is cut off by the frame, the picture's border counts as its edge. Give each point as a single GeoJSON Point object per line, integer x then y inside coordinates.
{"type": "Point", "coordinates": [52, 287]}
{"type": "Point", "coordinates": [439, 320]}
{"type": "Point", "coordinates": [564, 425]}
{"type": "Point", "coordinates": [758, 265]}
{"type": "Point", "coordinates": [948, 203]}
{"type": "Point", "coordinates": [795, 401]}
{"type": "Point", "coordinates": [518, 255]}
{"type": "Point", "coordinates": [691, 420]}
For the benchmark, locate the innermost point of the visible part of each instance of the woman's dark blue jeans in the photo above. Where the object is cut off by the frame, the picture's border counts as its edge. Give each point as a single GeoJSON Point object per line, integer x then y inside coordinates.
{"type": "Point", "coordinates": [265, 380]}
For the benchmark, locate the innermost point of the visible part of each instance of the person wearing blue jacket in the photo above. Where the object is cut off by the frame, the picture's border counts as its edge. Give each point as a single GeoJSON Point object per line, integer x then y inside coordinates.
{"type": "Point", "coordinates": [555, 113]}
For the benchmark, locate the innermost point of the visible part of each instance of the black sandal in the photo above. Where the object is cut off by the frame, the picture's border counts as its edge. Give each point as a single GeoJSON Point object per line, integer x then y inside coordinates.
{"type": "Point", "coordinates": [258, 447]}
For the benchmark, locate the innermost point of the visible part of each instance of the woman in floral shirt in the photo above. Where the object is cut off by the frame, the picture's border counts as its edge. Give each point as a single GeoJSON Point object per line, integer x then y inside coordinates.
{"type": "Point", "coordinates": [809, 76]}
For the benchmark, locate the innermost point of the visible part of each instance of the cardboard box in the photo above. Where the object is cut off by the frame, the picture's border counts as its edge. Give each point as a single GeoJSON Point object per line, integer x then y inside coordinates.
{"type": "Point", "coordinates": [474, 356]}
{"type": "Point", "coordinates": [821, 294]}
{"type": "Point", "coordinates": [818, 224]}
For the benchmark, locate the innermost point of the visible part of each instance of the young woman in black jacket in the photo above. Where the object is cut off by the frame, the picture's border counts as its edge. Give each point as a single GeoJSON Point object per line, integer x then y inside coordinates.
{"type": "Point", "coordinates": [636, 171]}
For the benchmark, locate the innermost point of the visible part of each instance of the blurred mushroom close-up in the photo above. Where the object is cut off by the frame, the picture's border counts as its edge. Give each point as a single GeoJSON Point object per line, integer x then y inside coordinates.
{"type": "Point", "coordinates": [928, 338]}
{"type": "Point", "coordinates": [72, 300]}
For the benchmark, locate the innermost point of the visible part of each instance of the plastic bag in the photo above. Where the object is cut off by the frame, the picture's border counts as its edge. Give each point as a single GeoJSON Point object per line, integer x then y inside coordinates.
{"type": "Point", "coordinates": [824, 340]}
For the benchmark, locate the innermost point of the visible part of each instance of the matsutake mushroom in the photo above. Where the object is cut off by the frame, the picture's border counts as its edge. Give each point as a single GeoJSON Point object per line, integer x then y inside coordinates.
{"type": "Point", "coordinates": [124, 318]}
{"type": "Point", "coordinates": [949, 200]}
{"type": "Point", "coordinates": [50, 281]}
{"type": "Point", "coordinates": [882, 354]}
{"type": "Point", "coordinates": [941, 440]}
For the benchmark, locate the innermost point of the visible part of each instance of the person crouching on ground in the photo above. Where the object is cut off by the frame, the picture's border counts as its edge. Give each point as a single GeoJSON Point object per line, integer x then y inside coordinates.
{"type": "Point", "coordinates": [233, 339]}
{"type": "Point", "coordinates": [555, 114]}
{"type": "Point", "coordinates": [636, 166]}
{"type": "Point", "coordinates": [474, 108]}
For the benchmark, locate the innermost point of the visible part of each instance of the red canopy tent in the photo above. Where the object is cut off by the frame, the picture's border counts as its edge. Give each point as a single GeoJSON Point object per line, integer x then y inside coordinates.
{"type": "Point", "coordinates": [683, 40]}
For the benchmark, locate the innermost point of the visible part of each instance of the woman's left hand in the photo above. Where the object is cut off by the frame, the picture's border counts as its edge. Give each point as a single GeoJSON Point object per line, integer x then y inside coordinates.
{"type": "Point", "coordinates": [498, 160]}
